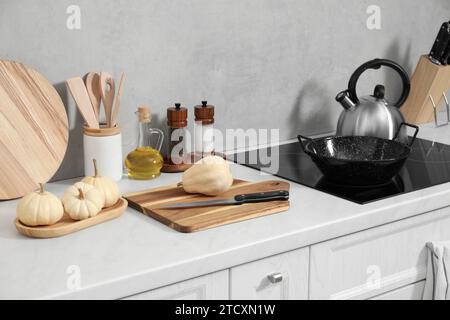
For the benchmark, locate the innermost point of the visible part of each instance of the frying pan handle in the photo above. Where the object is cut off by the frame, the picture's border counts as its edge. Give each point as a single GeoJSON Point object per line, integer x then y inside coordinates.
{"type": "Point", "coordinates": [411, 126]}
{"type": "Point", "coordinates": [301, 138]}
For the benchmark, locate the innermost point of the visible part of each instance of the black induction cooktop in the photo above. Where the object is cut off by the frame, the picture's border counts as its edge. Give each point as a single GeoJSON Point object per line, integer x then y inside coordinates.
{"type": "Point", "coordinates": [427, 166]}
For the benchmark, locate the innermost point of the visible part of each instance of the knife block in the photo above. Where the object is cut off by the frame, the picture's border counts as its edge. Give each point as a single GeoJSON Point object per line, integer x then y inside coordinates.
{"type": "Point", "coordinates": [429, 79]}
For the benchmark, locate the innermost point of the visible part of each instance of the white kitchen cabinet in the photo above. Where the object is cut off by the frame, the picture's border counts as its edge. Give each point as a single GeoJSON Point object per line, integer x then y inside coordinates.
{"type": "Point", "coordinates": [375, 261]}
{"type": "Point", "coordinates": [411, 292]}
{"type": "Point", "coordinates": [284, 276]}
{"type": "Point", "coordinates": [209, 287]}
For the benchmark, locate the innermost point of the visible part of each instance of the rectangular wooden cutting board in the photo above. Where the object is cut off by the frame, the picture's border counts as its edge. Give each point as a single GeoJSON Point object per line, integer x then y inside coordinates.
{"type": "Point", "coordinates": [195, 219]}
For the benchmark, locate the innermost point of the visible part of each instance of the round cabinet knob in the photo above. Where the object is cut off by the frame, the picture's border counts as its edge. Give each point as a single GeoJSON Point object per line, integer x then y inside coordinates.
{"type": "Point", "coordinates": [275, 278]}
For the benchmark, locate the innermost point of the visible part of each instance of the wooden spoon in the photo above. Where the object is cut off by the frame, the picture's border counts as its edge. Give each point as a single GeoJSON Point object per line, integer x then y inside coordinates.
{"type": "Point", "coordinates": [116, 107]}
{"type": "Point", "coordinates": [93, 89]}
{"type": "Point", "coordinates": [108, 90]}
{"type": "Point", "coordinates": [80, 95]}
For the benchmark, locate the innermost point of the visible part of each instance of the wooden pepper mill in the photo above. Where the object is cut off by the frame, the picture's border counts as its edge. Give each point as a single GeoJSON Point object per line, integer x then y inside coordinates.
{"type": "Point", "coordinates": [177, 159]}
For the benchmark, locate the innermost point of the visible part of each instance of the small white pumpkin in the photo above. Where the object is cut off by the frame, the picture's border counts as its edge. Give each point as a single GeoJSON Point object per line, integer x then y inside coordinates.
{"type": "Point", "coordinates": [107, 186]}
{"type": "Point", "coordinates": [82, 201]}
{"type": "Point", "coordinates": [39, 208]}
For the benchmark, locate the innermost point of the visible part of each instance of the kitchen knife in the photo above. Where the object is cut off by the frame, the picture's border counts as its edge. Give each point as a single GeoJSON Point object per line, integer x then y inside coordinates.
{"type": "Point", "coordinates": [237, 200]}
{"type": "Point", "coordinates": [440, 44]}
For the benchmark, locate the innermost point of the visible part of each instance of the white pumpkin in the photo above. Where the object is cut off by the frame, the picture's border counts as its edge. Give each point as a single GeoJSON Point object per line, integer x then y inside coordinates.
{"type": "Point", "coordinates": [107, 186]}
{"type": "Point", "coordinates": [82, 201]}
{"type": "Point", "coordinates": [39, 208]}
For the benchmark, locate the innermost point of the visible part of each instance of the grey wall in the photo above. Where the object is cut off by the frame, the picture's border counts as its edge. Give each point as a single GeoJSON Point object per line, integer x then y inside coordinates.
{"type": "Point", "coordinates": [263, 63]}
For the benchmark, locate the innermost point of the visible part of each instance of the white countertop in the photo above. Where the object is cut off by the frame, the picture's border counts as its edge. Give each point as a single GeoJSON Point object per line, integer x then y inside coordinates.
{"type": "Point", "coordinates": [135, 253]}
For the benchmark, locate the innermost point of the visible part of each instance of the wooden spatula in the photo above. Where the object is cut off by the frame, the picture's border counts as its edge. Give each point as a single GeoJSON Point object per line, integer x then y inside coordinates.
{"type": "Point", "coordinates": [108, 90]}
{"type": "Point", "coordinates": [79, 93]}
{"type": "Point", "coordinates": [116, 106]}
{"type": "Point", "coordinates": [93, 89]}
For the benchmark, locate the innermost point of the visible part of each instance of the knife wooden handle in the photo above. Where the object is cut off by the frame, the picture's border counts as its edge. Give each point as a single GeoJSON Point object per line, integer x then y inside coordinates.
{"type": "Point", "coordinates": [262, 197]}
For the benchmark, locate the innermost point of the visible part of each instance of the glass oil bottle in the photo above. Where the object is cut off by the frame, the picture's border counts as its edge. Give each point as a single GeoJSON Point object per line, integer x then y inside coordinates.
{"type": "Point", "coordinates": [146, 161]}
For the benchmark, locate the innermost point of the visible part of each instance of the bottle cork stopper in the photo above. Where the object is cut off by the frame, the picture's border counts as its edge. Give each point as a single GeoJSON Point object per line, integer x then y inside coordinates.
{"type": "Point", "coordinates": [177, 116]}
{"type": "Point", "coordinates": [204, 113]}
{"type": "Point", "coordinates": [144, 114]}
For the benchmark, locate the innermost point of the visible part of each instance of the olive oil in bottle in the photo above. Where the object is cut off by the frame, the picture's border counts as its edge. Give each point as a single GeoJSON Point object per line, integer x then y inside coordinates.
{"type": "Point", "coordinates": [146, 161]}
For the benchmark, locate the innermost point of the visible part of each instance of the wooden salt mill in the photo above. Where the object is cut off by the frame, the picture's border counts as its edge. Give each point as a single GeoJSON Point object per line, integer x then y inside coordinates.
{"type": "Point", "coordinates": [204, 130]}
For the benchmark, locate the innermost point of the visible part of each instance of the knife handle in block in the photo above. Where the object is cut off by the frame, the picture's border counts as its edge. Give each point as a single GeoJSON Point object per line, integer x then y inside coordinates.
{"type": "Point", "coordinates": [440, 44]}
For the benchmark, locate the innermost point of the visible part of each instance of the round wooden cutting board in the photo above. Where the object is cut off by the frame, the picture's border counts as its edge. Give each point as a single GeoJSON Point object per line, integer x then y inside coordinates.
{"type": "Point", "coordinates": [33, 130]}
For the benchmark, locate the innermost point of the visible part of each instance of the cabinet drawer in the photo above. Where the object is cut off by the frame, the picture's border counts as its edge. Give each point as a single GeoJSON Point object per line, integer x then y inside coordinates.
{"type": "Point", "coordinates": [210, 287]}
{"type": "Point", "coordinates": [283, 276]}
{"type": "Point", "coordinates": [411, 292]}
{"type": "Point", "coordinates": [378, 260]}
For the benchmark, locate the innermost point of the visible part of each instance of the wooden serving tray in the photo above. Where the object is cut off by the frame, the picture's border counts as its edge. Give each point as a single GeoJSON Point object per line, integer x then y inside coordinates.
{"type": "Point", "coordinates": [66, 225]}
{"type": "Point", "coordinates": [195, 219]}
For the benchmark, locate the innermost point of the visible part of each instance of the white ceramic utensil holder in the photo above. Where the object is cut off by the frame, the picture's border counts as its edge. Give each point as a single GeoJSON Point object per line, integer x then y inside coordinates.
{"type": "Point", "coordinates": [104, 145]}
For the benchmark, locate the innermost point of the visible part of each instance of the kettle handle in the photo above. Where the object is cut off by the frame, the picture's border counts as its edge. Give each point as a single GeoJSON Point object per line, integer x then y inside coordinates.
{"type": "Point", "coordinates": [376, 64]}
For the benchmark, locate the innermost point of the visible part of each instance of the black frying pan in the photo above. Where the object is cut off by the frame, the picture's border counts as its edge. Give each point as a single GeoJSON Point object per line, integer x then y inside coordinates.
{"type": "Point", "coordinates": [358, 161]}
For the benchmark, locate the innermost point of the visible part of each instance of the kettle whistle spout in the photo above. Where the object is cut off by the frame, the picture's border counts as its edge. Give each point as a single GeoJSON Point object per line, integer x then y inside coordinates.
{"type": "Point", "coordinates": [344, 99]}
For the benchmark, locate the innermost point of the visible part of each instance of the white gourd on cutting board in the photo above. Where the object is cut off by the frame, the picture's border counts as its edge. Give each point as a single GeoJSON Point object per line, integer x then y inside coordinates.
{"type": "Point", "coordinates": [33, 130]}
{"type": "Point", "coordinates": [210, 176]}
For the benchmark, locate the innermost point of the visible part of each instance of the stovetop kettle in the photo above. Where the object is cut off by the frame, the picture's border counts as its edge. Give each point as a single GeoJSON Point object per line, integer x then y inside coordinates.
{"type": "Point", "coordinates": [372, 115]}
